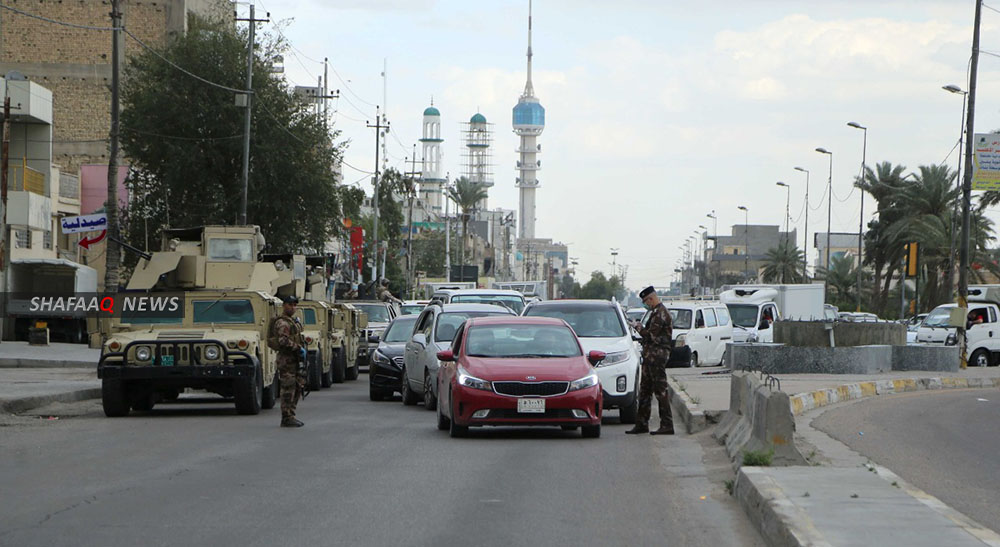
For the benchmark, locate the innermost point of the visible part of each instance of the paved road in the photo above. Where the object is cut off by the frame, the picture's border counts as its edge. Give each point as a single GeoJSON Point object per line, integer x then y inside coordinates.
{"type": "Point", "coordinates": [944, 442]}
{"type": "Point", "coordinates": [359, 473]}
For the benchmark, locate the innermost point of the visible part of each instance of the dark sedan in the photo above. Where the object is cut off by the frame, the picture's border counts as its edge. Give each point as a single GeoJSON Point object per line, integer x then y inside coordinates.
{"type": "Point", "coordinates": [387, 359]}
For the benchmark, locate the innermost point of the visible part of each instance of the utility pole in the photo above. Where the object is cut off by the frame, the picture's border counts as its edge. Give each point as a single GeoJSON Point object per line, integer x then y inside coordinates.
{"type": "Point", "coordinates": [4, 237]}
{"type": "Point", "coordinates": [378, 139]}
{"type": "Point", "coordinates": [324, 95]}
{"type": "Point", "coordinates": [246, 115]}
{"type": "Point", "coordinates": [447, 233]}
{"type": "Point", "coordinates": [409, 233]}
{"type": "Point", "coordinates": [113, 254]}
{"type": "Point", "coordinates": [963, 255]}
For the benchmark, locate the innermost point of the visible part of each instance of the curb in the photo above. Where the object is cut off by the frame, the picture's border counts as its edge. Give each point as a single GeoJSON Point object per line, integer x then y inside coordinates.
{"type": "Point", "coordinates": [7, 362]}
{"type": "Point", "coordinates": [809, 400]}
{"type": "Point", "coordinates": [779, 521]}
{"type": "Point", "coordinates": [694, 418]}
{"type": "Point", "coordinates": [23, 404]}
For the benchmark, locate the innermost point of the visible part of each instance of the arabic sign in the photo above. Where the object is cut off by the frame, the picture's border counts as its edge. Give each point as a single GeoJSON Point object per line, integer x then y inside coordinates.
{"type": "Point", "coordinates": [986, 163]}
{"type": "Point", "coordinates": [84, 223]}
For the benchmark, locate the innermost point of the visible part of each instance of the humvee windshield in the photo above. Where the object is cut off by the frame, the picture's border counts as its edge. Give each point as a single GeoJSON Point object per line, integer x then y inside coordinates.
{"type": "Point", "coordinates": [230, 250]}
{"type": "Point", "coordinates": [309, 316]}
{"type": "Point", "coordinates": [223, 311]}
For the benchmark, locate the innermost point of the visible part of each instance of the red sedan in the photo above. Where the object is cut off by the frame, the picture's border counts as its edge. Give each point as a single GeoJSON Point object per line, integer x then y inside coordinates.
{"type": "Point", "coordinates": [518, 371]}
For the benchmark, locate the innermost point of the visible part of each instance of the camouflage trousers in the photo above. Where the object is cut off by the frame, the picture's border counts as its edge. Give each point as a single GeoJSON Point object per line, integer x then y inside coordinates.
{"type": "Point", "coordinates": [654, 382]}
{"type": "Point", "coordinates": [291, 384]}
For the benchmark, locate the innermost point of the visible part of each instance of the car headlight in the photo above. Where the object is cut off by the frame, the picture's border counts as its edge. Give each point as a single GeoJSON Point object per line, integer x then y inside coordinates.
{"type": "Point", "coordinates": [614, 358]}
{"type": "Point", "coordinates": [142, 353]}
{"type": "Point", "coordinates": [679, 341]}
{"type": "Point", "coordinates": [952, 340]}
{"type": "Point", "coordinates": [211, 353]}
{"type": "Point", "coordinates": [589, 380]}
{"type": "Point", "coordinates": [380, 358]}
{"type": "Point", "coordinates": [467, 380]}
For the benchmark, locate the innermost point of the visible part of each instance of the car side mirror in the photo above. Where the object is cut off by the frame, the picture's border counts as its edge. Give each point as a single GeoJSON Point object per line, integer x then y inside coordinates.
{"type": "Point", "coordinates": [596, 356]}
{"type": "Point", "coordinates": [420, 339]}
{"type": "Point", "coordinates": [636, 338]}
{"type": "Point", "coordinates": [373, 339]}
{"type": "Point", "coordinates": [446, 355]}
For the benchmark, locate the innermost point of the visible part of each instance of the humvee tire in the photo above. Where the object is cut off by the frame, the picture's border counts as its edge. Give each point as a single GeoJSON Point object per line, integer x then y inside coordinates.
{"type": "Point", "coordinates": [315, 371]}
{"type": "Point", "coordinates": [353, 372]}
{"type": "Point", "coordinates": [270, 394]}
{"type": "Point", "coordinates": [339, 368]}
{"type": "Point", "coordinates": [325, 378]}
{"type": "Point", "coordinates": [114, 398]}
{"type": "Point", "coordinates": [249, 393]}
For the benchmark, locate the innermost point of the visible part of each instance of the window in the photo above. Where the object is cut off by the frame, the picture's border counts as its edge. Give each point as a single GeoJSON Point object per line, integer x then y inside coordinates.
{"type": "Point", "coordinates": [680, 319]}
{"type": "Point", "coordinates": [223, 311]}
{"type": "Point", "coordinates": [710, 318]}
{"type": "Point", "coordinates": [515, 303]}
{"type": "Point", "coordinates": [400, 329]}
{"type": "Point", "coordinates": [993, 315]}
{"type": "Point", "coordinates": [699, 320]}
{"type": "Point", "coordinates": [22, 239]}
{"type": "Point", "coordinates": [588, 321]}
{"type": "Point", "coordinates": [427, 325]}
{"type": "Point", "coordinates": [377, 313]}
{"type": "Point", "coordinates": [723, 316]}
{"type": "Point", "coordinates": [230, 250]}
{"type": "Point", "coordinates": [522, 341]}
{"type": "Point", "coordinates": [449, 323]}
{"type": "Point", "coordinates": [309, 316]}
{"type": "Point", "coordinates": [47, 239]}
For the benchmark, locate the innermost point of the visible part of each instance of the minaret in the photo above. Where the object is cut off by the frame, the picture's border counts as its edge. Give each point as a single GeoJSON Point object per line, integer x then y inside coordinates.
{"type": "Point", "coordinates": [432, 179]}
{"type": "Point", "coordinates": [529, 121]}
{"type": "Point", "coordinates": [478, 159]}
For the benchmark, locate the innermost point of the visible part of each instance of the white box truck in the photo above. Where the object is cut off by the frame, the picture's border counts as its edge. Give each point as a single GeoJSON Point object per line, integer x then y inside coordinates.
{"type": "Point", "coordinates": [754, 308]}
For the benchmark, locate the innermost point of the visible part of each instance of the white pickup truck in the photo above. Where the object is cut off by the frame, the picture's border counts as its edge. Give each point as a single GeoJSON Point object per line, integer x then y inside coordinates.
{"type": "Point", "coordinates": [982, 323]}
{"type": "Point", "coordinates": [755, 308]}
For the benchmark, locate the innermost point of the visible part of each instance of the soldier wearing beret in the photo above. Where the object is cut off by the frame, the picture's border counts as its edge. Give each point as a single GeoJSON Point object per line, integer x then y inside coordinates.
{"type": "Point", "coordinates": [288, 332]}
{"type": "Point", "coordinates": [657, 339]}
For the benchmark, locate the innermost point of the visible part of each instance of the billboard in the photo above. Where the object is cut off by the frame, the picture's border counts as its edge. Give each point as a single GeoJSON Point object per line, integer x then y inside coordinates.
{"type": "Point", "coordinates": [986, 162]}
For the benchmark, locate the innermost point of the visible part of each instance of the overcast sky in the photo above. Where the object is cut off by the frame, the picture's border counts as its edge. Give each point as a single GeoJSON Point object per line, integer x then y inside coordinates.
{"type": "Point", "coordinates": [658, 112]}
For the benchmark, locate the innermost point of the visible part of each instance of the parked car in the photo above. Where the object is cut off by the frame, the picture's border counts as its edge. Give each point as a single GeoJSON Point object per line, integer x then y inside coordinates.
{"type": "Point", "coordinates": [512, 299]}
{"type": "Point", "coordinates": [434, 331]}
{"type": "Point", "coordinates": [413, 307]}
{"type": "Point", "coordinates": [912, 326]}
{"type": "Point", "coordinates": [386, 370]}
{"type": "Point", "coordinates": [600, 325]}
{"type": "Point", "coordinates": [636, 314]}
{"type": "Point", "coordinates": [704, 326]}
{"type": "Point", "coordinates": [518, 371]}
{"type": "Point", "coordinates": [380, 314]}
{"type": "Point", "coordinates": [982, 324]}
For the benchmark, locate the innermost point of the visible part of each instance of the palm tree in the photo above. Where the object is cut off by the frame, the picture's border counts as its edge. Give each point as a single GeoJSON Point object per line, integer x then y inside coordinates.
{"type": "Point", "coordinates": [782, 264]}
{"type": "Point", "coordinates": [882, 253]}
{"type": "Point", "coordinates": [841, 278]}
{"type": "Point", "coordinates": [466, 195]}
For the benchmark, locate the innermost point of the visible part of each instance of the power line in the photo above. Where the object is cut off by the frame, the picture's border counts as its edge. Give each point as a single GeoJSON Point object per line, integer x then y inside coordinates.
{"type": "Point", "coordinates": [54, 21]}
{"type": "Point", "coordinates": [189, 73]}
{"type": "Point", "coordinates": [175, 137]}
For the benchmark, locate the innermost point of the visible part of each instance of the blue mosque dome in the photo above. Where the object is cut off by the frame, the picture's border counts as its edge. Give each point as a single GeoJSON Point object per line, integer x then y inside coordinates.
{"type": "Point", "coordinates": [478, 118]}
{"type": "Point", "coordinates": [529, 113]}
{"type": "Point", "coordinates": [431, 111]}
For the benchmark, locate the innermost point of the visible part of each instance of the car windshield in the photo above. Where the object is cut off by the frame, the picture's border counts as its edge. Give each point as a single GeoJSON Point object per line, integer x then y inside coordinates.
{"type": "Point", "coordinates": [744, 315]}
{"type": "Point", "coordinates": [448, 323]}
{"type": "Point", "coordinates": [411, 309]}
{"type": "Point", "coordinates": [400, 329]}
{"type": "Point", "coordinates": [309, 316]}
{"type": "Point", "coordinates": [938, 318]}
{"type": "Point", "coordinates": [513, 341]}
{"type": "Point", "coordinates": [588, 321]}
{"type": "Point", "coordinates": [222, 311]}
{"type": "Point", "coordinates": [515, 303]}
{"type": "Point", "coordinates": [230, 250]}
{"type": "Point", "coordinates": [680, 319]}
{"type": "Point", "coordinates": [377, 313]}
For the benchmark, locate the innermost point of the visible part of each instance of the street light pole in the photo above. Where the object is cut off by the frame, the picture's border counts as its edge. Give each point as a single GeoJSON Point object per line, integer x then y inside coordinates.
{"type": "Point", "coordinates": [746, 241]}
{"type": "Point", "coordinates": [970, 128]}
{"type": "Point", "coordinates": [715, 241]}
{"type": "Point", "coordinates": [958, 186]}
{"type": "Point", "coordinates": [829, 218]}
{"type": "Point", "coordinates": [805, 247]}
{"type": "Point", "coordinates": [861, 221]}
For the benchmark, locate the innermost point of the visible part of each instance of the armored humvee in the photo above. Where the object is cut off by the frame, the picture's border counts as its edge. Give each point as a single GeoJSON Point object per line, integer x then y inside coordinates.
{"type": "Point", "coordinates": [220, 342]}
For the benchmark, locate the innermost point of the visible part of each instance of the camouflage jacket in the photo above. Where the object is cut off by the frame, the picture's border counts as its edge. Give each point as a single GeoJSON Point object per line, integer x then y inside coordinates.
{"type": "Point", "coordinates": [657, 336]}
{"type": "Point", "coordinates": [289, 333]}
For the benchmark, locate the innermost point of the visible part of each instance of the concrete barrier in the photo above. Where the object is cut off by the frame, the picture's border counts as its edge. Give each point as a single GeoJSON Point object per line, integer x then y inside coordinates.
{"type": "Point", "coordinates": [759, 419]}
{"type": "Point", "coordinates": [926, 357]}
{"type": "Point", "coordinates": [779, 358]}
{"type": "Point", "coordinates": [817, 334]}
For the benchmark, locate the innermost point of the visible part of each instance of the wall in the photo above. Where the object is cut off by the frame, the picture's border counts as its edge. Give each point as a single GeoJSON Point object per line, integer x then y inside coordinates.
{"type": "Point", "coordinates": [817, 334]}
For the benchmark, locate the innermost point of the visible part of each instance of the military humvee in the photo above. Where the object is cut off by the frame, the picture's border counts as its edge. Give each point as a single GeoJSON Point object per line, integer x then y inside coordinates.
{"type": "Point", "coordinates": [349, 325]}
{"type": "Point", "coordinates": [219, 345]}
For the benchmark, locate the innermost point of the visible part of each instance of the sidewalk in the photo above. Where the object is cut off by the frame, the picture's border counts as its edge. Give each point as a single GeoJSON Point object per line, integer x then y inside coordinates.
{"type": "Point", "coordinates": [20, 354]}
{"type": "Point", "coordinates": [23, 389]}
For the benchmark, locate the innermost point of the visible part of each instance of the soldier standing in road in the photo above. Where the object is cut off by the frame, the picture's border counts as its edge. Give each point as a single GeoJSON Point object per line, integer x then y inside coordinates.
{"type": "Point", "coordinates": [657, 337]}
{"type": "Point", "coordinates": [290, 346]}
{"type": "Point", "coordinates": [383, 293]}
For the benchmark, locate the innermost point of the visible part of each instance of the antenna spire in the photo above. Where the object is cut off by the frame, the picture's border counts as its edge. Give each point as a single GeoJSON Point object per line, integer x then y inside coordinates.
{"type": "Point", "coordinates": [529, 90]}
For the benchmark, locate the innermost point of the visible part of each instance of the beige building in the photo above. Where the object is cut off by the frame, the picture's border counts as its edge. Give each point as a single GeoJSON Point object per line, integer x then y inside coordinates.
{"type": "Point", "coordinates": [75, 64]}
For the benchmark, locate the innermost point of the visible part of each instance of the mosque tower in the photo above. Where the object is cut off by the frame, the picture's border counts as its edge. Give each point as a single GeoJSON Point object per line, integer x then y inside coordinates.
{"type": "Point", "coordinates": [529, 121]}
{"type": "Point", "coordinates": [432, 179]}
{"type": "Point", "coordinates": [478, 158]}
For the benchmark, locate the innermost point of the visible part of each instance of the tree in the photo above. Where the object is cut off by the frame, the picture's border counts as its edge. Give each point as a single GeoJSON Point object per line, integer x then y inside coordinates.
{"type": "Point", "coordinates": [841, 279]}
{"type": "Point", "coordinates": [782, 263]}
{"type": "Point", "coordinates": [882, 253]}
{"type": "Point", "coordinates": [601, 288]}
{"type": "Point", "coordinates": [467, 195]}
{"type": "Point", "coordinates": [428, 253]}
{"type": "Point", "coordinates": [391, 220]}
{"type": "Point", "coordinates": [183, 138]}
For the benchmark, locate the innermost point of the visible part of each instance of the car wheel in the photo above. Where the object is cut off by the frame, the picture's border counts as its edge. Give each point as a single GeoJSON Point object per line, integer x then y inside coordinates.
{"type": "Point", "coordinates": [980, 358]}
{"type": "Point", "coordinates": [339, 369]}
{"type": "Point", "coordinates": [694, 359]}
{"type": "Point", "coordinates": [430, 401]}
{"type": "Point", "coordinates": [249, 393]}
{"type": "Point", "coordinates": [443, 423]}
{"type": "Point", "coordinates": [454, 429]}
{"type": "Point", "coordinates": [114, 398]}
{"type": "Point", "coordinates": [629, 414]}
{"type": "Point", "coordinates": [409, 397]}
{"type": "Point", "coordinates": [591, 431]}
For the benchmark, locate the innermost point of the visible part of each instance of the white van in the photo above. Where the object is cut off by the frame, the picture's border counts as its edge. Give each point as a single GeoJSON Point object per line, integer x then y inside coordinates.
{"type": "Point", "coordinates": [982, 322]}
{"type": "Point", "coordinates": [754, 313]}
{"type": "Point", "coordinates": [705, 327]}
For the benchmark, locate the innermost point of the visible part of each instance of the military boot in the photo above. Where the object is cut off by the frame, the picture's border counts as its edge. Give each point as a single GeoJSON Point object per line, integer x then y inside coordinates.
{"type": "Point", "coordinates": [291, 422]}
{"type": "Point", "coordinates": [663, 430]}
{"type": "Point", "coordinates": [636, 429]}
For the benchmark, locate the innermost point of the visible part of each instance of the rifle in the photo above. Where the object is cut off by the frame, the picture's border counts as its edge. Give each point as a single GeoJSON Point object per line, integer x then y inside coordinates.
{"type": "Point", "coordinates": [302, 375]}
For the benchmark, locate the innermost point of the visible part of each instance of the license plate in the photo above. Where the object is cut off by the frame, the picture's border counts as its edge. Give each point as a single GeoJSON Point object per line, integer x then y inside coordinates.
{"type": "Point", "coordinates": [531, 406]}
{"type": "Point", "coordinates": [167, 360]}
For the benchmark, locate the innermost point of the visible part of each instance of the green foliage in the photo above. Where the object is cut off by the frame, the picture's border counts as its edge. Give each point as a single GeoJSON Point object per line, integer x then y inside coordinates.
{"type": "Point", "coordinates": [569, 287]}
{"type": "Point", "coordinates": [467, 195]}
{"type": "Point", "coordinates": [184, 141]}
{"type": "Point", "coordinates": [784, 264]}
{"type": "Point", "coordinates": [755, 458]}
{"type": "Point", "coordinates": [428, 251]}
{"type": "Point", "coordinates": [842, 281]}
{"type": "Point", "coordinates": [601, 288]}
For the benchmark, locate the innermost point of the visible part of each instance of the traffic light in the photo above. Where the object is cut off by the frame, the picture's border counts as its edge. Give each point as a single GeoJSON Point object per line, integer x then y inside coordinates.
{"type": "Point", "coordinates": [912, 258]}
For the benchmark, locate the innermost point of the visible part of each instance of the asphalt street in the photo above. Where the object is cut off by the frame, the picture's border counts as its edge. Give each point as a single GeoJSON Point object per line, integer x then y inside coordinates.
{"type": "Point", "coordinates": [359, 473]}
{"type": "Point", "coordinates": [943, 442]}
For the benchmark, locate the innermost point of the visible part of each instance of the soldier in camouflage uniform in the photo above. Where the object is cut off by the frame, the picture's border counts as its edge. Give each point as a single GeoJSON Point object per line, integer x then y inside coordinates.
{"type": "Point", "coordinates": [657, 337]}
{"type": "Point", "coordinates": [290, 344]}
{"type": "Point", "coordinates": [383, 294]}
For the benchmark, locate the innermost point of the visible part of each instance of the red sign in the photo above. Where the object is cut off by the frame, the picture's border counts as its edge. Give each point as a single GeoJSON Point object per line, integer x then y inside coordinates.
{"type": "Point", "coordinates": [358, 245]}
{"type": "Point", "coordinates": [86, 243]}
